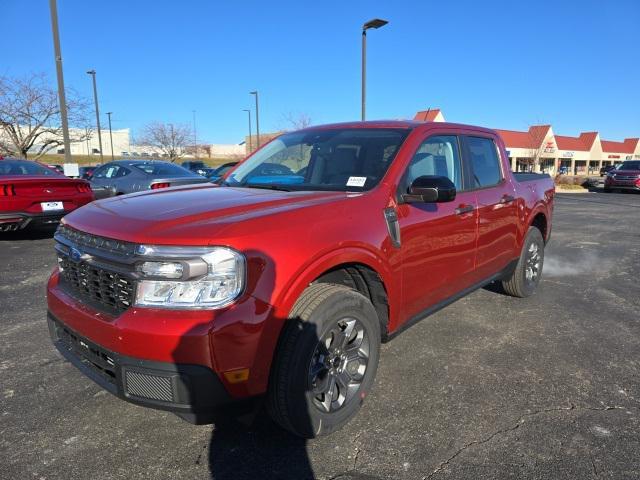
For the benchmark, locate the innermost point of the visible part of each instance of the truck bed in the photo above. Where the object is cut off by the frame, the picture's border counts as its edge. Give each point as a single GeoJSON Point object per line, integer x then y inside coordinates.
{"type": "Point", "coordinates": [527, 177]}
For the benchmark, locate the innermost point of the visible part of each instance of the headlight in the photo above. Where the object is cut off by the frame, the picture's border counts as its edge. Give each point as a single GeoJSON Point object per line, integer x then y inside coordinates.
{"type": "Point", "coordinates": [211, 277]}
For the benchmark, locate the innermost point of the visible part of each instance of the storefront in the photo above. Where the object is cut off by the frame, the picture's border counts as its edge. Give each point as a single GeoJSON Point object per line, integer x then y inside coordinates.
{"type": "Point", "coordinates": [539, 149]}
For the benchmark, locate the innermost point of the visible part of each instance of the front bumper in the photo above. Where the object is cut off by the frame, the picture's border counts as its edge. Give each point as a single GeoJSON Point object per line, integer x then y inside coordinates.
{"type": "Point", "coordinates": [194, 392]}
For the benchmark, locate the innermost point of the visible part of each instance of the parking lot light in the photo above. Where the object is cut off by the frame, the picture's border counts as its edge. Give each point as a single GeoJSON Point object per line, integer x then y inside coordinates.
{"type": "Point", "coordinates": [375, 23]}
{"type": "Point", "coordinates": [255, 92]}
{"type": "Point", "coordinates": [250, 142]}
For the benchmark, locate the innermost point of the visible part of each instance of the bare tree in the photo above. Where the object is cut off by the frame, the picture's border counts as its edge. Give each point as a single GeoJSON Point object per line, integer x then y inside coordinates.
{"type": "Point", "coordinates": [30, 122]}
{"type": "Point", "coordinates": [537, 146]}
{"type": "Point", "coordinates": [170, 138]}
{"type": "Point", "coordinates": [296, 121]}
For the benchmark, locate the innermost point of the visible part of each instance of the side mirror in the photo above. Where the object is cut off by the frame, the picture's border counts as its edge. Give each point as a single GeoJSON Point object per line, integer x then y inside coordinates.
{"type": "Point", "coordinates": [431, 188]}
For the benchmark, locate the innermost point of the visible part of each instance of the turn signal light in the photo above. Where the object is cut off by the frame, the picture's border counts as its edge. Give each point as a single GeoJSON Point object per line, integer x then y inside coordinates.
{"type": "Point", "coordinates": [7, 191]}
{"type": "Point", "coordinates": [237, 376]}
{"type": "Point", "coordinates": [155, 186]}
{"type": "Point", "coordinates": [84, 188]}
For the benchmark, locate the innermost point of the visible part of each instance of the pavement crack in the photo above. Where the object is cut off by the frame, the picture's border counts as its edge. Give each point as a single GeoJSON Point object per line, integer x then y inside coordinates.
{"type": "Point", "coordinates": [357, 452]}
{"type": "Point", "coordinates": [519, 422]}
{"type": "Point", "coordinates": [593, 465]}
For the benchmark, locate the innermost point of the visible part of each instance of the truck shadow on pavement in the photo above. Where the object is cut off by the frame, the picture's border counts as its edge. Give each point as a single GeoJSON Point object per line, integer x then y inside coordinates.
{"type": "Point", "coordinates": [247, 444]}
{"type": "Point", "coordinates": [28, 234]}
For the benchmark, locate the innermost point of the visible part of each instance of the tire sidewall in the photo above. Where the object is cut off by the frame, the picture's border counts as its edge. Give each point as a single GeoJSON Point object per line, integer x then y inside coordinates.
{"type": "Point", "coordinates": [305, 416]}
{"type": "Point", "coordinates": [533, 236]}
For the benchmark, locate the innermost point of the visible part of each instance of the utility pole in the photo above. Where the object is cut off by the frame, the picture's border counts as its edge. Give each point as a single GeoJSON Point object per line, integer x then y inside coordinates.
{"type": "Point", "coordinates": [95, 99]}
{"type": "Point", "coordinates": [195, 138]}
{"type": "Point", "coordinates": [255, 92]}
{"type": "Point", "coordinates": [110, 134]}
{"type": "Point", "coordinates": [61, 95]}
{"type": "Point", "coordinates": [250, 142]}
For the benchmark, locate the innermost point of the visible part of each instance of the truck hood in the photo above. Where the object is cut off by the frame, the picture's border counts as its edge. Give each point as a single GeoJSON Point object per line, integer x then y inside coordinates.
{"type": "Point", "coordinates": [191, 215]}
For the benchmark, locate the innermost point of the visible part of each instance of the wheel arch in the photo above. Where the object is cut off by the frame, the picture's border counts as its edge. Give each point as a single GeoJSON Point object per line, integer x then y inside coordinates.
{"type": "Point", "coordinates": [355, 267]}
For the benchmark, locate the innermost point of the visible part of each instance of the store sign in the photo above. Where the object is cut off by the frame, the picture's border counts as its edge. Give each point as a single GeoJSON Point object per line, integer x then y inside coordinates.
{"type": "Point", "coordinates": [567, 154]}
{"type": "Point", "coordinates": [613, 156]}
{"type": "Point", "coordinates": [549, 148]}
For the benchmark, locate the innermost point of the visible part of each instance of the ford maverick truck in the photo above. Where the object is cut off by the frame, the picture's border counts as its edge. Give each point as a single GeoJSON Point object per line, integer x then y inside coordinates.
{"type": "Point", "coordinates": [279, 283]}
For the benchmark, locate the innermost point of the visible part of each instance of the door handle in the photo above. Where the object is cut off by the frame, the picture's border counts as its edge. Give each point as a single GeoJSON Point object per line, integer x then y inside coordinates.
{"type": "Point", "coordinates": [507, 199]}
{"type": "Point", "coordinates": [462, 209]}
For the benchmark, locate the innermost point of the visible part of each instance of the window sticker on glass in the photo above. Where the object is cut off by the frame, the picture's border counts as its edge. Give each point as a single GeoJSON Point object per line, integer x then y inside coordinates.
{"type": "Point", "coordinates": [356, 181]}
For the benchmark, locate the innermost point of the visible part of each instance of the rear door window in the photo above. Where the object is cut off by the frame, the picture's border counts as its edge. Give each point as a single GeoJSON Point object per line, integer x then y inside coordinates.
{"type": "Point", "coordinates": [484, 162]}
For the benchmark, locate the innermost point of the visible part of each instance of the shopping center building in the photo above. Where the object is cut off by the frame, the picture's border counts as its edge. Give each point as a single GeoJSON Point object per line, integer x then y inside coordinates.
{"type": "Point", "coordinates": [540, 149]}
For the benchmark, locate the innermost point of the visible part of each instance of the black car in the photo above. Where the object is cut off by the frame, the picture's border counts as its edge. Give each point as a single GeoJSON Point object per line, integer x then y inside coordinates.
{"type": "Point", "coordinates": [606, 169]}
{"type": "Point", "coordinates": [86, 172]}
{"type": "Point", "coordinates": [217, 173]}
{"type": "Point", "coordinates": [196, 166]}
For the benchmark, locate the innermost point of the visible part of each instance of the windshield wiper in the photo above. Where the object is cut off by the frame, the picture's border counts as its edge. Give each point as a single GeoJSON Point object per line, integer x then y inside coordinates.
{"type": "Point", "coordinates": [267, 186]}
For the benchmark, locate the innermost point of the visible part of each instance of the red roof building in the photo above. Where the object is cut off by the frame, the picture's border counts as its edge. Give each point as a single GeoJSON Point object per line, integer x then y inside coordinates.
{"type": "Point", "coordinates": [539, 148]}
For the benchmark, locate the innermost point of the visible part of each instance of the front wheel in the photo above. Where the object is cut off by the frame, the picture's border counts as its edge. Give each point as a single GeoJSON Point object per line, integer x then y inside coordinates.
{"type": "Point", "coordinates": [326, 361]}
{"type": "Point", "coordinates": [526, 276]}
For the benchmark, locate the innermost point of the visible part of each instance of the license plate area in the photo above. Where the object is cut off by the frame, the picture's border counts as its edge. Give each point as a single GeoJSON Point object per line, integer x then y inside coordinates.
{"type": "Point", "coordinates": [52, 206]}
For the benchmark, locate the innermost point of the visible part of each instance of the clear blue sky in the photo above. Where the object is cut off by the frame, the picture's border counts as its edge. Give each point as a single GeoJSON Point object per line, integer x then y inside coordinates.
{"type": "Point", "coordinates": [507, 64]}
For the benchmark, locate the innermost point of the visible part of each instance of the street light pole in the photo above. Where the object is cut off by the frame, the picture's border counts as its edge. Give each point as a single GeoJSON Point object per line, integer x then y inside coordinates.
{"type": "Point", "coordinates": [250, 142]}
{"type": "Point", "coordinates": [255, 92]}
{"type": "Point", "coordinates": [61, 95]}
{"type": "Point", "coordinates": [195, 138]}
{"type": "Point", "coordinates": [110, 134]}
{"type": "Point", "coordinates": [95, 99]}
{"type": "Point", "coordinates": [375, 23]}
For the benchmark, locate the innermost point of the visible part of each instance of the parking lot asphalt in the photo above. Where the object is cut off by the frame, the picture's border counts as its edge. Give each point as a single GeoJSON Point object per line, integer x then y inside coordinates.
{"type": "Point", "coordinates": [491, 387]}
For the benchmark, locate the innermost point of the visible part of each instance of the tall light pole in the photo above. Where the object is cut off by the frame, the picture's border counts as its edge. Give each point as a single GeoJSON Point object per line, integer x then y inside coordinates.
{"type": "Point", "coordinates": [110, 134]}
{"type": "Point", "coordinates": [95, 99]}
{"type": "Point", "coordinates": [250, 142]}
{"type": "Point", "coordinates": [61, 95]}
{"type": "Point", "coordinates": [195, 138]}
{"type": "Point", "coordinates": [255, 92]}
{"type": "Point", "coordinates": [375, 23]}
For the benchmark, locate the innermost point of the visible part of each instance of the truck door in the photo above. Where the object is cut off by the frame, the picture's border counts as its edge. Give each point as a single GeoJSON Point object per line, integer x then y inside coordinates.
{"type": "Point", "coordinates": [437, 240]}
{"type": "Point", "coordinates": [497, 205]}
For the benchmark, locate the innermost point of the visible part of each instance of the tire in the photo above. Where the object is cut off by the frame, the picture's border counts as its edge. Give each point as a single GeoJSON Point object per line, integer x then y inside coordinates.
{"type": "Point", "coordinates": [328, 325]}
{"type": "Point", "coordinates": [607, 190]}
{"type": "Point", "coordinates": [525, 278]}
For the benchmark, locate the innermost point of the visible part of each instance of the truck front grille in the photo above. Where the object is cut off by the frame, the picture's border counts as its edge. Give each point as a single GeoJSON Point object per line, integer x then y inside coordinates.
{"type": "Point", "coordinates": [107, 290]}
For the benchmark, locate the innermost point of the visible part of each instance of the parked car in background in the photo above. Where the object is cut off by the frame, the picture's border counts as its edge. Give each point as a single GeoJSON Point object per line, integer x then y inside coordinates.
{"type": "Point", "coordinates": [87, 172]}
{"type": "Point", "coordinates": [563, 170]}
{"type": "Point", "coordinates": [57, 168]}
{"type": "Point", "coordinates": [33, 194]}
{"type": "Point", "coordinates": [197, 166]}
{"type": "Point", "coordinates": [218, 173]}
{"type": "Point", "coordinates": [282, 281]}
{"type": "Point", "coordinates": [625, 177]}
{"type": "Point", "coordinates": [128, 176]}
{"type": "Point", "coordinates": [606, 169]}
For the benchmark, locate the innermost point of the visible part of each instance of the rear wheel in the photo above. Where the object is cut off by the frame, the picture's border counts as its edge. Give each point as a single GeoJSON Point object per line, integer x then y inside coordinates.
{"type": "Point", "coordinates": [526, 276]}
{"type": "Point", "coordinates": [326, 361]}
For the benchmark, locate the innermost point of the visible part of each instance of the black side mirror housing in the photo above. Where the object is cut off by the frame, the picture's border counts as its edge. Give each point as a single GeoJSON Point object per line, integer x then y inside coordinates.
{"type": "Point", "coordinates": [430, 188]}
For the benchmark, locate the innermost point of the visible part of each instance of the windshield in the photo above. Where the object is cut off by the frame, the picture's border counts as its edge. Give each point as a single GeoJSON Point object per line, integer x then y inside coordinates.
{"type": "Point", "coordinates": [163, 169]}
{"type": "Point", "coordinates": [24, 167]}
{"type": "Point", "coordinates": [333, 159]}
{"type": "Point", "coordinates": [634, 165]}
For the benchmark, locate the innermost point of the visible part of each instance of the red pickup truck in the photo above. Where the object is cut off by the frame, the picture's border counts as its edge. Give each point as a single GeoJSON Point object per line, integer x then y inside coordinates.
{"type": "Point", "coordinates": [281, 282]}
